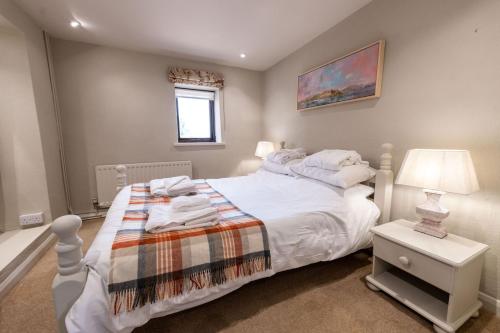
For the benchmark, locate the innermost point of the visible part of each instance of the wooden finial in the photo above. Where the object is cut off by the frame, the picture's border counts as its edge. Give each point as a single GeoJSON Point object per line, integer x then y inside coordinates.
{"type": "Point", "coordinates": [70, 281]}
{"type": "Point", "coordinates": [386, 157]}
{"type": "Point", "coordinates": [121, 177]}
{"type": "Point", "coordinates": [69, 246]}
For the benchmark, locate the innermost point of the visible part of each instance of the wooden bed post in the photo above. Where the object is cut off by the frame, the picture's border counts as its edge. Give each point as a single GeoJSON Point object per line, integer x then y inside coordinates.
{"type": "Point", "coordinates": [121, 177]}
{"type": "Point", "coordinates": [383, 183]}
{"type": "Point", "coordinates": [70, 280]}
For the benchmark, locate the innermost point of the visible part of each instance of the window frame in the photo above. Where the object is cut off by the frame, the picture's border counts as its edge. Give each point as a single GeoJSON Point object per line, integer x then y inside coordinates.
{"type": "Point", "coordinates": [213, 134]}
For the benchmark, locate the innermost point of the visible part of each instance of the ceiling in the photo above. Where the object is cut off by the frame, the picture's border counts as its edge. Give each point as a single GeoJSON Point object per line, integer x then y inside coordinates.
{"type": "Point", "coordinates": [206, 30]}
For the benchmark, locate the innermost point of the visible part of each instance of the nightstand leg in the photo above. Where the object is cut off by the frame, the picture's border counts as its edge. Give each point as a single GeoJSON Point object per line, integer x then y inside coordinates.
{"type": "Point", "coordinates": [438, 329]}
{"type": "Point", "coordinates": [372, 287]}
{"type": "Point", "coordinates": [475, 314]}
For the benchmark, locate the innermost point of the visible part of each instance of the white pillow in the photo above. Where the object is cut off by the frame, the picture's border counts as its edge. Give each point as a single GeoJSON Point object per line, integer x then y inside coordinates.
{"type": "Point", "coordinates": [283, 169]}
{"type": "Point", "coordinates": [355, 191]}
{"type": "Point", "coordinates": [358, 190]}
{"type": "Point", "coordinates": [346, 177]}
{"type": "Point", "coordinates": [333, 159]}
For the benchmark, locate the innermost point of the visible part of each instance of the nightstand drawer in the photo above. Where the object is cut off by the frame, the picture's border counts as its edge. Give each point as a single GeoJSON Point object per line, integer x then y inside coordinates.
{"type": "Point", "coordinates": [417, 264]}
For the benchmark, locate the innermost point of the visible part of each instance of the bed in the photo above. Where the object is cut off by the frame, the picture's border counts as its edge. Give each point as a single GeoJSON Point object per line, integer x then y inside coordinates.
{"type": "Point", "coordinates": [307, 221]}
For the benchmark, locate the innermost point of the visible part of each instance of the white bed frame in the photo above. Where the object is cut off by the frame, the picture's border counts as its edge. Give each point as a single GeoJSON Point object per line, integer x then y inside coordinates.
{"type": "Point", "coordinates": [70, 280]}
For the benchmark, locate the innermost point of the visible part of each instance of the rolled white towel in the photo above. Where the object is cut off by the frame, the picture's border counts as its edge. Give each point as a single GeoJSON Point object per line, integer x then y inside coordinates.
{"type": "Point", "coordinates": [157, 187]}
{"type": "Point", "coordinates": [333, 159]}
{"type": "Point", "coordinates": [181, 189]}
{"type": "Point", "coordinates": [188, 203]}
{"type": "Point", "coordinates": [180, 185]}
{"type": "Point", "coordinates": [174, 181]}
{"type": "Point", "coordinates": [172, 186]}
{"type": "Point", "coordinates": [164, 218]}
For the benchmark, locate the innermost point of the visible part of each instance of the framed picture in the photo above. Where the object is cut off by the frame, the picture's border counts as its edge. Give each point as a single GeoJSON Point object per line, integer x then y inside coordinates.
{"type": "Point", "coordinates": [353, 77]}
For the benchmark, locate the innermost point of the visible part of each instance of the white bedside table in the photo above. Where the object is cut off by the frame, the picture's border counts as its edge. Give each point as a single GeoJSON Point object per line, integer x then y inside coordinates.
{"type": "Point", "coordinates": [438, 278]}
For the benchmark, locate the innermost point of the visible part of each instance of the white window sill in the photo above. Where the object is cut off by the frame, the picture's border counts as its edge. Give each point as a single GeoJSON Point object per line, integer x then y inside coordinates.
{"type": "Point", "coordinates": [190, 144]}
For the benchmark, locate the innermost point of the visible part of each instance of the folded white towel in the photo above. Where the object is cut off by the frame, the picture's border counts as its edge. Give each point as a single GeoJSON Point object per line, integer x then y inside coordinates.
{"type": "Point", "coordinates": [173, 181]}
{"type": "Point", "coordinates": [334, 159]}
{"type": "Point", "coordinates": [157, 187]}
{"type": "Point", "coordinates": [185, 227]}
{"type": "Point", "coordinates": [173, 186]}
{"type": "Point", "coordinates": [285, 155]}
{"type": "Point", "coordinates": [164, 218]}
{"type": "Point", "coordinates": [181, 185]}
{"type": "Point", "coordinates": [181, 189]}
{"type": "Point", "coordinates": [189, 203]}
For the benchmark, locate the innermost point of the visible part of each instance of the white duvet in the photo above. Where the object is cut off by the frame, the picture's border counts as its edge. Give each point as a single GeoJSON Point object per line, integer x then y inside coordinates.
{"type": "Point", "coordinates": [306, 221]}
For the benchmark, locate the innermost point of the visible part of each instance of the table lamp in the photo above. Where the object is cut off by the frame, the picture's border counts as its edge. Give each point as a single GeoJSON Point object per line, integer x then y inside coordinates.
{"type": "Point", "coordinates": [264, 148]}
{"type": "Point", "coordinates": [437, 171]}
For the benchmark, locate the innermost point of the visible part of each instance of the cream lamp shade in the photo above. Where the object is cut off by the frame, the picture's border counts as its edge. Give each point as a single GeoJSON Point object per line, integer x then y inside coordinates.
{"type": "Point", "coordinates": [439, 170]}
{"type": "Point", "coordinates": [264, 148]}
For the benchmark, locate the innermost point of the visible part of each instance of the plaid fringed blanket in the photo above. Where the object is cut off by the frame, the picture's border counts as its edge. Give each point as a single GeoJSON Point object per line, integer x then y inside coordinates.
{"type": "Point", "coordinates": [146, 268]}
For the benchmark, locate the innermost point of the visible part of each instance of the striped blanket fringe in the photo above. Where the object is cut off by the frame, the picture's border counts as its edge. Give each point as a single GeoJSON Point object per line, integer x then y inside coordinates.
{"type": "Point", "coordinates": [161, 289]}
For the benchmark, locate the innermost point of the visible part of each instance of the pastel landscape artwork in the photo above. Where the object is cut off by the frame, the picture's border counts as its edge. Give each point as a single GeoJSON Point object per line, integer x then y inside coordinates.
{"type": "Point", "coordinates": [349, 78]}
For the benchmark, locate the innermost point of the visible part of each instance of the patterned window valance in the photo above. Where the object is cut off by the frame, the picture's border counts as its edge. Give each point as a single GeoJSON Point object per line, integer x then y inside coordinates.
{"type": "Point", "coordinates": [196, 77]}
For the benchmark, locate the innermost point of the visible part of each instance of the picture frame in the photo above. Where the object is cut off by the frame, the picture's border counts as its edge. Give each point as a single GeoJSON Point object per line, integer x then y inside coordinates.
{"type": "Point", "coordinates": [356, 76]}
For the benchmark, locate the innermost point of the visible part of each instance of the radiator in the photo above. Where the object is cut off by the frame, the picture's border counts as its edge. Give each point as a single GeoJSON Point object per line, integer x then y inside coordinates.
{"type": "Point", "coordinates": [136, 173]}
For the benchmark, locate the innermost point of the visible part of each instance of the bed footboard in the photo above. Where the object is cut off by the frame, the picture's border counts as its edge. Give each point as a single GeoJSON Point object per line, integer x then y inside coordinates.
{"type": "Point", "coordinates": [70, 280]}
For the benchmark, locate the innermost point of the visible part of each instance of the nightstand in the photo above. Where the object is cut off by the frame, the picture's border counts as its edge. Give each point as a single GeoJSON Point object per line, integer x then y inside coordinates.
{"type": "Point", "coordinates": [438, 278]}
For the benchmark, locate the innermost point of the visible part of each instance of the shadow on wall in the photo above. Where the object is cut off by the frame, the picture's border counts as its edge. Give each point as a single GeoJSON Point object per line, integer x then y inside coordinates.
{"type": "Point", "coordinates": [345, 107]}
{"type": "Point", "coordinates": [247, 166]}
{"type": "Point", "coordinates": [17, 169]}
{"type": "Point", "coordinates": [2, 207]}
{"type": "Point", "coordinates": [9, 207]}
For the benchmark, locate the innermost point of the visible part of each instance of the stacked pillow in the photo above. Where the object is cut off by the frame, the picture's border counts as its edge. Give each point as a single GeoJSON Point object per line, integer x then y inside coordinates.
{"type": "Point", "coordinates": [282, 160]}
{"type": "Point", "coordinates": [342, 168]}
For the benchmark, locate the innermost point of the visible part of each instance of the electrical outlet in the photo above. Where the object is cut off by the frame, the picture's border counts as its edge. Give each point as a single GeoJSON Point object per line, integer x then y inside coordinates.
{"type": "Point", "coordinates": [31, 219]}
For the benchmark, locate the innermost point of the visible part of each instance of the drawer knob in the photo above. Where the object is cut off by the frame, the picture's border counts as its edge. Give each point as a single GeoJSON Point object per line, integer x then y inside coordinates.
{"type": "Point", "coordinates": [404, 260]}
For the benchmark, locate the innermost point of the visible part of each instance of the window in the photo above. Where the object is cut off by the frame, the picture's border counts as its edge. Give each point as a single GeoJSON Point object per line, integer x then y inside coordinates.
{"type": "Point", "coordinates": [195, 115]}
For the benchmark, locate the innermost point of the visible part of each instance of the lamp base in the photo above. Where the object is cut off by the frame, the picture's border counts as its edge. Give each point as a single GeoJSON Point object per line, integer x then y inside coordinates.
{"type": "Point", "coordinates": [432, 213]}
{"type": "Point", "coordinates": [431, 228]}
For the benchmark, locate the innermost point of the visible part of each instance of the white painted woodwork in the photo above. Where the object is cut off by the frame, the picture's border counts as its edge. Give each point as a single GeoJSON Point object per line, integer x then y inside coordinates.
{"type": "Point", "coordinates": [384, 180]}
{"type": "Point", "coordinates": [20, 252]}
{"type": "Point", "coordinates": [72, 275]}
{"type": "Point", "coordinates": [110, 178]}
{"type": "Point", "coordinates": [121, 177]}
{"type": "Point", "coordinates": [452, 264]}
{"type": "Point", "coordinates": [414, 263]}
{"type": "Point", "coordinates": [452, 250]}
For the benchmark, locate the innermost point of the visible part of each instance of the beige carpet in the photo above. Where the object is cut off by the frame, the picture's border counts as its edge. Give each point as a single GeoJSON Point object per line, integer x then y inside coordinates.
{"type": "Point", "coordinates": [325, 297]}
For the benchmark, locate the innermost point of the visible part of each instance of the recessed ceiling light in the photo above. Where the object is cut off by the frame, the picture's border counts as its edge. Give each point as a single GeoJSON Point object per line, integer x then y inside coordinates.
{"type": "Point", "coordinates": [243, 55]}
{"type": "Point", "coordinates": [75, 24]}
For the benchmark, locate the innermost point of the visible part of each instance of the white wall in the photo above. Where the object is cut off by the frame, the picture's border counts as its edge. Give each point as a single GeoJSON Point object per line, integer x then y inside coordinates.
{"type": "Point", "coordinates": [22, 170]}
{"type": "Point", "coordinates": [440, 89]}
{"type": "Point", "coordinates": [31, 176]}
{"type": "Point", "coordinates": [118, 107]}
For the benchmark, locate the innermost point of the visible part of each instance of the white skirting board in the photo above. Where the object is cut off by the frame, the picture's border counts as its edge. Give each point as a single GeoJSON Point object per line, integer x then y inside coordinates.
{"type": "Point", "coordinates": [20, 271]}
{"type": "Point", "coordinates": [93, 215]}
{"type": "Point", "coordinates": [490, 303]}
